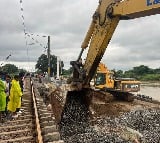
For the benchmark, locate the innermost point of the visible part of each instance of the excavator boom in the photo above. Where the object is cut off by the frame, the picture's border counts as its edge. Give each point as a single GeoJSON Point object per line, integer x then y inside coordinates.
{"type": "Point", "coordinates": [103, 25]}
{"type": "Point", "coordinates": [136, 8]}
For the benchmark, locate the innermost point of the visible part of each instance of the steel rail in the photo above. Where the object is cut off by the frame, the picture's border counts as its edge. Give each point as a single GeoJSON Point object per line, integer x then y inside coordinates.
{"type": "Point", "coordinates": [40, 139]}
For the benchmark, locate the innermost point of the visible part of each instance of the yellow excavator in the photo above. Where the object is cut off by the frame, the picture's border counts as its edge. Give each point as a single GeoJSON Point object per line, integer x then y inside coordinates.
{"type": "Point", "coordinates": [104, 22]}
{"type": "Point", "coordinates": [121, 88]}
{"type": "Point", "coordinates": [105, 80]}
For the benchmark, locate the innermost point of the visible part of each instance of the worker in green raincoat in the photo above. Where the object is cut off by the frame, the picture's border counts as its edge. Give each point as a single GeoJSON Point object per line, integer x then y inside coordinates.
{"type": "Point", "coordinates": [2, 97]}
{"type": "Point", "coordinates": [15, 95]}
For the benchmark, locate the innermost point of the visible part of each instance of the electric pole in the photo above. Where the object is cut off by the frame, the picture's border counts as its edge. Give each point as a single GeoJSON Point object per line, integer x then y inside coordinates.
{"type": "Point", "coordinates": [49, 60]}
{"type": "Point", "coordinates": [58, 67]}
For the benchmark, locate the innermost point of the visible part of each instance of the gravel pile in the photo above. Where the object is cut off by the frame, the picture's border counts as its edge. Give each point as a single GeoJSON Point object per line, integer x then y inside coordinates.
{"type": "Point", "coordinates": [75, 126]}
{"type": "Point", "coordinates": [146, 122]}
{"type": "Point", "coordinates": [74, 119]}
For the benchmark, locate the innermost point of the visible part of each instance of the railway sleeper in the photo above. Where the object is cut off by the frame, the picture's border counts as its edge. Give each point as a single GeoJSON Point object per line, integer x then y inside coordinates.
{"type": "Point", "coordinates": [17, 127]}
{"type": "Point", "coordinates": [49, 129]}
{"type": "Point", "coordinates": [47, 123]}
{"type": "Point", "coordinates": [49, 137]}
{"type": "Point", "coordinates": [28, 139]}
{"type": "Point", "coordinates": [17, 134]}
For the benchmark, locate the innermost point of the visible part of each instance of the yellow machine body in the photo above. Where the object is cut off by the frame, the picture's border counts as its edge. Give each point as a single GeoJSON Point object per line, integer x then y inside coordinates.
{"type": "Point", "coordinates": [105, 79]}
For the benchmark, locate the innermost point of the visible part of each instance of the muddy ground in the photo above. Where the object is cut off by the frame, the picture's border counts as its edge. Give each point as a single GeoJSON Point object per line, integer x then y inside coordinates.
{"type": "Point", "coordinates": [116, 108]}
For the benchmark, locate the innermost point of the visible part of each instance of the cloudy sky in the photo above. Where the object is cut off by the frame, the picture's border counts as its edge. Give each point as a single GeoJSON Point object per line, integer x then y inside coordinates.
{"type": "Point", "coordinates": [135, 42]}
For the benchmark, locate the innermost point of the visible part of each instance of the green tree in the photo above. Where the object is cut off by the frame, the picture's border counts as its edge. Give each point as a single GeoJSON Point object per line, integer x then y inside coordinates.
{"type": "Point", "coordinates": [22, 70]}
{"type": "Point", "coordinates": [129, 74]}
{"type": "Point", "coordinates": [157, 71]}
{"type": "Point", "coordinates": [143, 73]}
{"type": "Point", "coordinates": [118, 73]}
{"type": "Point", "coordinates": [141, 70]}
{"type": "Point", "coordinates": [42, 64]}
{"type": "Point", "coordinates": [10, 68]}
{"type": "Point", "coordinates": [67, 72]}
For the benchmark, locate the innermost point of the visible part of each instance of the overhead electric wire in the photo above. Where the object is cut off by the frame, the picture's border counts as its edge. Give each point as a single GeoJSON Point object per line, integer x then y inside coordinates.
{"type": "Point", "coordinates": [35, 40]}
{"type": "Point", "coordinates": [6, 59]}
{"type": "Point", "coordinates": [24, 28]}
{"type": "Point", "coordinates": [30, 35]}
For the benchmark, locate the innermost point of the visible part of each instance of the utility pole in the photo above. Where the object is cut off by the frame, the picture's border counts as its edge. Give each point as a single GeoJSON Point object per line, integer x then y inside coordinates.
{"type": "Point", "coordinates": [49, 60]}
{"type": "Point", "coordinates": [57, 67]}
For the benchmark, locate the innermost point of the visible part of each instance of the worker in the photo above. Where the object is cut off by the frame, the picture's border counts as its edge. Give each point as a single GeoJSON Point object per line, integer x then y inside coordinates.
{"type": "Point", "coordinates": [15, 97]}
{"type": "Point", "coordinates": [8, 87]}
{"type": "Point", "coordinates": [2, 97]}
{"type": "Point", "coordinates": [21, 76]}
{"type": "Point", "coordinates": [20, 79]}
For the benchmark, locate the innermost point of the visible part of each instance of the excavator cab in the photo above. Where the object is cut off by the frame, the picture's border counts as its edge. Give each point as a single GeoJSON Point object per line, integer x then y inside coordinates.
{"type": "Point", "coordinates": [103, 80]}
{"type": "Point", "coordinates": [100, 79]}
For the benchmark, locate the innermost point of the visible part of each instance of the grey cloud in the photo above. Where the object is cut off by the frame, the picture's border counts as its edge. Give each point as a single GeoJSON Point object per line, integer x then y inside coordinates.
{"type": "Point", "coordinates": [137, 42]}
{"type": "Point", "coordinates": [67, 21]}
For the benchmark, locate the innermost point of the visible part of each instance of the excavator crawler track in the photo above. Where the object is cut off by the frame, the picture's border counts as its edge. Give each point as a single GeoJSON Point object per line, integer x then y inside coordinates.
{"type": "Point", "coordinates": [120, 95]}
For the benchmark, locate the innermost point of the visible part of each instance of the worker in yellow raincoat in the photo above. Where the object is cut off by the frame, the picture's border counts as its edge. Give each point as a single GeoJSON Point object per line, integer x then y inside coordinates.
{"type": "Point", "coordinates": [2, 97]}
{"type": "Point", "coordinates": [15, 96]}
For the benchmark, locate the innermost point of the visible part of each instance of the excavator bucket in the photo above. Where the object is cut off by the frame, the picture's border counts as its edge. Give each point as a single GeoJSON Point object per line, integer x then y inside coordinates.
{"type": "Point", "coordinates": [76, 107]}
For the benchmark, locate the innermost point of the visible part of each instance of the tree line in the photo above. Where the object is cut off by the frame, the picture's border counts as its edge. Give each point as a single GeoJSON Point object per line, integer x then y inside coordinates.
{"type": "Point", "coordinates": [142, 72]}
{"type": "Point", "coordinates": [11, 69]}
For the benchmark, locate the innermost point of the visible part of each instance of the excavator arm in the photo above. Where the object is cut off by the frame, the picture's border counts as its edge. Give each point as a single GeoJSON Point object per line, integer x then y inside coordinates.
{"type": "Point", "coordinates": [103, 25]}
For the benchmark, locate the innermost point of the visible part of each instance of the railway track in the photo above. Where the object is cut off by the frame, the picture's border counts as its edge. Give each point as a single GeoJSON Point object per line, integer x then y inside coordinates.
{"type": "Point", "coordinates": [35, 125]}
